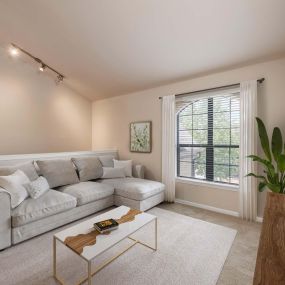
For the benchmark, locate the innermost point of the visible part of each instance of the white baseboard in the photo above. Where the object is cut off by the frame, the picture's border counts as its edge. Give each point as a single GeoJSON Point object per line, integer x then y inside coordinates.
{"type": "Point", "coordinates": [206, 207]}
{"type": "Point", "coordinates": [213, 209]}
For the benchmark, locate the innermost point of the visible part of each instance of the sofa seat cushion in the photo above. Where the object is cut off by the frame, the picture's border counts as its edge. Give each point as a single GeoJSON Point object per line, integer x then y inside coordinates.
{"type": "Point", "coordinates": [89, 191]}
{"type": "Point", "coordinates": [135, 188]}
{"type": "Point", "coordinates": [51, 203]}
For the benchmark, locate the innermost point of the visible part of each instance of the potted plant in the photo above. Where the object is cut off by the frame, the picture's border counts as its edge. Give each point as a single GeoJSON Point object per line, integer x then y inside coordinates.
{"type": "Point", "coordinates": [270, 263]}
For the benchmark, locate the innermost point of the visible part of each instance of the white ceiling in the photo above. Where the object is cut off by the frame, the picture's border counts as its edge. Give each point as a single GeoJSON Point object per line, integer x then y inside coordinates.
{"type": "Point", "coordinates": [112, 47]}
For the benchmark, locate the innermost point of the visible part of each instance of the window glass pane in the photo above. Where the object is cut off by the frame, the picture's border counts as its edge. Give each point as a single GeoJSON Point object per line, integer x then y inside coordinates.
{"type": "Point", "coordinates": [200, 106]}
{"type": "Point", "coordinates": [199, 155]}
{"type": "Point", "coordinates": [185, 169]}
{"type": "Point", "coordinates": [185, 137]}
{"type": "Point", "coordinates": [186, 154]}
{"type": "Point", "coordinates": [200, 121]}
{"type": "Point", "coordinates": [221, 173]}
{"type": "Point", "coordinates": [221, 104]}
{"type": "Point", "coordinates": [200, 171]}
{"type": "Point", "coordinates": [234, 174]}
{"type": "Point", "coordinates": [235, 119]}
{"type": "Point", "coordinates": [221, 156]}
{"type": "Point", "coordinates": [200, 136]}
{"type": "Point", "coordinates": [185, 122]}
{"type": "Point", "coordinates": [222, 120]}
{"type": "Point", "coordinates": [187, 110]}
{"type": "Point", "coordinates": [235, 136]}
{"type": "Point", "coordinates": [234, 156]}
{"type": "Point", "coordinates": [221, 136]}
{"type": "Point", "coordinates": [235, 103]}
{"type": "Point", "coordinates": [192, 162]}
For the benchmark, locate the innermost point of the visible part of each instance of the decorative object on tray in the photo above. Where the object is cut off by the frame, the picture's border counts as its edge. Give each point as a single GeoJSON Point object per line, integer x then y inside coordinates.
{"type": "Point", "coordinates": [78, 242]}
{"type": "Point", "coordinates": [140, 136]}
{"type": "Point", "coordinates": [270, 262]}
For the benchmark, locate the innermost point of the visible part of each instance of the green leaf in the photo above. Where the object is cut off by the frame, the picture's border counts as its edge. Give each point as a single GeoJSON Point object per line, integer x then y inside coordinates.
{"type": "Point", "coordinates": [265, 162]}
{"type": "Point", "coordinates": [263, 138]}
{"type": "Point", "coordinates": [276, 143]}
{"type": "Point", "coordinates": [274, 188]}
{"type": "Point", "coordinates": [281, 162]}
{"type": "Point", "coordinates": [256, 176]}
{"type": "Point", "coordinates": [261, 186]}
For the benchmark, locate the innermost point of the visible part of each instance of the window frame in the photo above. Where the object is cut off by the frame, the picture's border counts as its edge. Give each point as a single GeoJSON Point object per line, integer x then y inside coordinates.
{"type": "Point", "coordinates": [209, 147]}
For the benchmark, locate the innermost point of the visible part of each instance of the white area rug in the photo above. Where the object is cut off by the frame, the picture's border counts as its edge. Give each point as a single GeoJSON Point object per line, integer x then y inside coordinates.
{"type": "Point", "coordinates": [190, 251]}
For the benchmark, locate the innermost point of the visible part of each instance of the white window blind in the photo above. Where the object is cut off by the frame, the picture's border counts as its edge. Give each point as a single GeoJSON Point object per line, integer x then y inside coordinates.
{"type": "Point", "coordinates": [208, 136]}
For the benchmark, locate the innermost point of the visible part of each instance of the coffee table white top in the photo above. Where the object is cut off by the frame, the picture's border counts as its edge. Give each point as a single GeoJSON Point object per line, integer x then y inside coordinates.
{"type": "Point", "coordinates": [104, 242]}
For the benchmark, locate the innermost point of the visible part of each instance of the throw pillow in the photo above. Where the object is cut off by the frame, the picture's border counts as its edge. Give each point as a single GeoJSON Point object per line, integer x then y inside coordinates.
{"type": "Point", "coordinates": [89, 168]}
{"type": "Point", "coordinates": [28, 168]}
{"type": "Point", "coordinates": [107, 160]}
{"type": "Point", "coordinates": [37, 188]}
{"type": "Point", "coordinates": [14, 185]}
{"type": "Point", "coordinates": [58, 172]}
{"type": "Point", "coordinates": [110, 172]}
{"type": "Point", "coordinates": [126, 164]}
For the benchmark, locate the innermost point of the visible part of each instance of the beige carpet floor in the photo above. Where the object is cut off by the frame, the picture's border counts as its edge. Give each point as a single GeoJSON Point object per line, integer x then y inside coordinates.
{"type": "Point", "coordinates": [190, 251]}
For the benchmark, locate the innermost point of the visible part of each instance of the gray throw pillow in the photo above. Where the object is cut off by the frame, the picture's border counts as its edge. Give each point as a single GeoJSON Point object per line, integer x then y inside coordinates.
{"type": "Point", "coordinates": [58, 172]}
{"type": "Point", "coordinates": [89, 168]}
{"type": "Point", "coordinates": [28, 168]}
{"type": "Point", "coordinates": [107, 160]}
{"type": "Point", "coordinates": [37, 188]}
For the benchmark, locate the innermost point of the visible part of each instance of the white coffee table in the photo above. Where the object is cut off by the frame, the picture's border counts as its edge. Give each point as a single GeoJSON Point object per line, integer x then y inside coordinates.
{"type": "Point", "coordinates": [104, 242]}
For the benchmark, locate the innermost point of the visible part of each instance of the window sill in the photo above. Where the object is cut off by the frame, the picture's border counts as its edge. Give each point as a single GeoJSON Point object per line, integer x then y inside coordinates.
{"type": "Point", "coordinates": [208, 184]}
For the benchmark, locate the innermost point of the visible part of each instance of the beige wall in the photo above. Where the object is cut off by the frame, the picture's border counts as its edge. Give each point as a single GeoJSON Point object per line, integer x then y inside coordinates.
{"type": "Point", "coordinates": [111, 118]}
{"type": "Point", "coordinates": [36, 115]}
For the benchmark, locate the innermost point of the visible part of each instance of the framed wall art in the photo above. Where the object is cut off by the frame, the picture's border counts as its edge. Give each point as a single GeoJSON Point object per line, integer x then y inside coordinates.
{"type": "Point", "coordinates": [140, 136]}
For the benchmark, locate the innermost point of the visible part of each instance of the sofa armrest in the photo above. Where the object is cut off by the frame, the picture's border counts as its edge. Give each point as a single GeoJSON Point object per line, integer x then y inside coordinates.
{"type": "Point", "coordinates": [5, 219]}
{"type": "Point", "coordinates": [138, 171]}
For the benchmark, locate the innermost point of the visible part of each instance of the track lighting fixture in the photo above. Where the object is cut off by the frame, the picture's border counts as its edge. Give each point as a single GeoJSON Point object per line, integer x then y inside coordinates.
{"type": "Point", "coordinates": [15, 50]}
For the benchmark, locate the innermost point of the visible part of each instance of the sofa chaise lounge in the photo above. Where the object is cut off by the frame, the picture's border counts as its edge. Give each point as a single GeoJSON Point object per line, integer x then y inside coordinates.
{"type": "Point", "coordinates": [69, 201]}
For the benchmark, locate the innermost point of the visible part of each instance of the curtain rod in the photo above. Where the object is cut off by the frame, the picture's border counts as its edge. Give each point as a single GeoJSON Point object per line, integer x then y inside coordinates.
{"type": "Point", "coordinates": [215, 88]}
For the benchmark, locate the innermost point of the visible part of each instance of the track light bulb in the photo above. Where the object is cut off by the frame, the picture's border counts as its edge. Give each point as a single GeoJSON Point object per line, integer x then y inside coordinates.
{"type": "Point", "coordinates": [42, 67]}
{"type": "Point", "coordinates": [14, 51]}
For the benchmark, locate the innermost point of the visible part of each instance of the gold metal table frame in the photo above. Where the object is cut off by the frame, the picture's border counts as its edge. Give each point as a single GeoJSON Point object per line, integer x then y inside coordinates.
{"type": "Point", "coordinates": [89, 262]}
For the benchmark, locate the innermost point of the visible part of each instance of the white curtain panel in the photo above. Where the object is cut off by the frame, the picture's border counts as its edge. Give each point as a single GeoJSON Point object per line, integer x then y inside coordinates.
{"type": "Point", "coordinates": [248, 185]}
{"type": "Point", "coordinates": [168, 146]}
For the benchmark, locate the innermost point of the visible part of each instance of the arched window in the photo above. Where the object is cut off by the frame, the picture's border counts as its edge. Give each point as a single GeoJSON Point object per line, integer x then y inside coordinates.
{"type": "Point", "coordinates": [208, 134]}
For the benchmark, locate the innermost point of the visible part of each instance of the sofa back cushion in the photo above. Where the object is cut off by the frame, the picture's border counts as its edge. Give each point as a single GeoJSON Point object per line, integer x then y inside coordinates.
{"type": "Point", "coordinates": [28, 168]}
{"type": "Point", "coordinates": [58, 172]}
{"type": "Point", "coordinates": [89, 168]}
{"type": "Point", "coordinates": [107, 160]}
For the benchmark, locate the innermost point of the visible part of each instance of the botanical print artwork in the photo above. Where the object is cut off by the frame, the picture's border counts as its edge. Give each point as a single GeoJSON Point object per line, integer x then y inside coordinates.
{"type": "Point", "coordinates": [140, 136]}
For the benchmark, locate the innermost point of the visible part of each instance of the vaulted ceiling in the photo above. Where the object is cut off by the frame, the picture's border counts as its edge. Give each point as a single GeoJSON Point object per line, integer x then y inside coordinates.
{"type": "Point", "coordinates": [111, 47]}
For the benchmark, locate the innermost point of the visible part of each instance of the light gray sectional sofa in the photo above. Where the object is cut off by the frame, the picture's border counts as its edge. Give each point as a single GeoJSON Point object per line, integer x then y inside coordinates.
{"type": "Point", "coordinates": [70, 198]}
